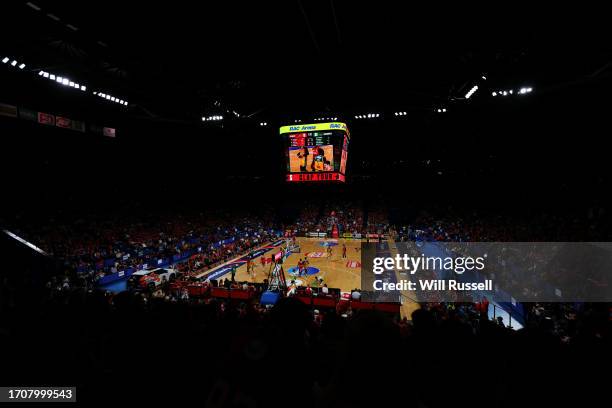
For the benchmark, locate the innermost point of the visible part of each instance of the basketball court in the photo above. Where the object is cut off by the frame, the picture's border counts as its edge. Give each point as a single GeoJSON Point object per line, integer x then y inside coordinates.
{"type": "Point", "coordinates": [336, 271]}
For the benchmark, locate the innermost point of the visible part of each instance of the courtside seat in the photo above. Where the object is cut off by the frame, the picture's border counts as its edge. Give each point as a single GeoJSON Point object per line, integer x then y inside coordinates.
{"type": "Point", "coordinates": [324, 301]}
{"type": "Point", "coordinates": [305, 299]}
{"type": "Point", "coordinates": [220, 293]}
{"type": "Point", "coordinates": [387, 307]}
{"type": "Point", "coordinates": [359, 305]}
{"type": "Point", "coordinates": [196, 290]}
{"type": "Point", "coordinates": [240, 294]}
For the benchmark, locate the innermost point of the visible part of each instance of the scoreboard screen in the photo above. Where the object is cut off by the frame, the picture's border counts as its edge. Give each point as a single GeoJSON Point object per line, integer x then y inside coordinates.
{"type": "Point", "coordinates": [316, 152]}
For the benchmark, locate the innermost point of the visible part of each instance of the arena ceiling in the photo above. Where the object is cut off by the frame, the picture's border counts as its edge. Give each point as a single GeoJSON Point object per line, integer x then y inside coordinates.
{"type": "Point", "coordinates": [299, 59]}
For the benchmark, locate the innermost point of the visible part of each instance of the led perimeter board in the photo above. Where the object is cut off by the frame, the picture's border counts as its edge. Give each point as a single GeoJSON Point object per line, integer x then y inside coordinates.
{"type": "Point", "coordinates": [316, 152]}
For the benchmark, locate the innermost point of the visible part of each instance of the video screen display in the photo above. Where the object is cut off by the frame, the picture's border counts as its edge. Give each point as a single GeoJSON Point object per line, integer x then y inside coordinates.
{"type": "Point", "coordinates": [316, 152]}
{"type": "Point", "coordinates": [311, 158]}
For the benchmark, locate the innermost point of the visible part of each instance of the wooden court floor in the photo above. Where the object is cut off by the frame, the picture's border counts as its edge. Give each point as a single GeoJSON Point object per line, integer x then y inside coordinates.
{"type": "Point", "coordinates": [337, 272]}
{"type": "Point", "coordinates": [333, 269]}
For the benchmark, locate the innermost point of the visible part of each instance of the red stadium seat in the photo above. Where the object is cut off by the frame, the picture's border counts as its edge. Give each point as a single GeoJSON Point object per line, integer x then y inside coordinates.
{"type": "Point", "coordinates": [220, 293]}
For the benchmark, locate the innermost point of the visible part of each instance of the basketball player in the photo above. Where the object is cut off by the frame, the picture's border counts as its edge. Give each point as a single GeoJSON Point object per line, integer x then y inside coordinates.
{"type": "Point", "coordinates": [343, 250]}
{"type": "Point", "coordinates": [303, 154]}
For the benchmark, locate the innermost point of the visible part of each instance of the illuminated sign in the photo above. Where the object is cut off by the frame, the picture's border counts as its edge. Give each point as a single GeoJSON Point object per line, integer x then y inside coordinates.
{"type": "Point", "coordinates": [315, 126]}
{"type": "Point", "coordinates": [302, 177]}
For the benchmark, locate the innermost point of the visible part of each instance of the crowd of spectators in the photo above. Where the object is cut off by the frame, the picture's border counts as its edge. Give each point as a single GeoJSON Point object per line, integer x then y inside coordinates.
{"type": "Point", "coordinates": [559, 317]}
{"type": "Point", "coordinates": [104, 339]}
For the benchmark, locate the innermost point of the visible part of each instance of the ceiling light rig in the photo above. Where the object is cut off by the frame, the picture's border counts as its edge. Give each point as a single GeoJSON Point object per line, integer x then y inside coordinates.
{"type": "Point", "coordinates": [400, 113]}
{"type": "Point", "coordinates": [212, 118]}
{"type": "Point", "coordinates": [440, 110]}
{"type": "Point", "coordinates": [368, 116]}
{"type": "Point", "coordinates": [507, 92]}
{"type": "Point", "coordinates": [111, 98]}
{"type": "Point", "coordinates": [62, 80]}
{"type": "Point", "coordinates": [263, 123]}
{"type": "Point", "coordinates": [471, 92]}
{"type": "Point", "coordinates": [13, 63]}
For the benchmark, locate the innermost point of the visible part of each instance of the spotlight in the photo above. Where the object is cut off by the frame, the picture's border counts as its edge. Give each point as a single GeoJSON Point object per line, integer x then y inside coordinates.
{"type": "Point", "coordinates": [494, 93]}
{"type": "Point", "coordinates": [83, 88]}
{"type": "Point", "coordinates": [13, 63]}
{"type": "Point", "coordinates": [46, 75]}
{"type": "Point", "coordinates": [71, 84]}
{"type": "Point", "coordinates": [5, 60]}
{"type": "Point", "coordinates": [52, 77]}
{"type": "Point", "coordinates": [22, 66]}
{"type": "Point", "coordinates": [41, 73]}
{"type": "Point", "coordinates": [471, 92]}
{"type": "Point", "coordinates": [65, 81]}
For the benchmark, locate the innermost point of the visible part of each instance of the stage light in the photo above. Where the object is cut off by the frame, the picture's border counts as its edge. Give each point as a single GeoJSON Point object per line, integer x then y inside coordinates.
{"type": "Point", "coordinates": [65, 81]}
{"type": "Point", "coordinates": [504, 93]}
{"type": "Point", "coordinates": [22, 66]}
{"type": "Point", "coordinates": [443, 109]}
{"type": "Point", "coordinates": [46, 75]}
{"type": "Point", "coordinates": [52, 77]}
{"type": "Point", "coordinates": [41, 73]}
{"type": "Point", "coordinates": [529, 89]}
{"type": "Point", "coordinates": [494, 93]}
{"type": "Point", "coordinates": [510, 91]}
{"type": "Point", "coordinates": [13, 63]}
{"type": "Point", "coordinates": [5, 60]}
{"type": "Point", "coordinates": [471, 92]}
{"type": "Point", "coordinates": [71, 84]}
{"type": "Point", "coordinates": [83, 88]}
{"type": "Point", "coordinates": [33, 6]}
